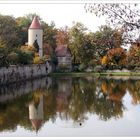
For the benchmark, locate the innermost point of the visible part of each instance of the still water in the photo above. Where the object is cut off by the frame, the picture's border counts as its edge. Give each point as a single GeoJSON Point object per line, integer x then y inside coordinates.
{"type": "Point", "coordinates": [71, 106]}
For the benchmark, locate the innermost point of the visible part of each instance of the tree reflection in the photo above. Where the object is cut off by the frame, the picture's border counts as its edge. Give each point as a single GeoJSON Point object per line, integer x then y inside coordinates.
{"type": "Point", "coordinates": [14, 113]}
{"type": "Point", "coordinates": [110, 103]}
{"type": "Point", "coordinates": [134, 90]}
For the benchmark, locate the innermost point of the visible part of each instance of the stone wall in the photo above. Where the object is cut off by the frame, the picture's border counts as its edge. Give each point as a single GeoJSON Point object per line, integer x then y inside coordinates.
{"type": "Point", "coordinates": [21, 73]}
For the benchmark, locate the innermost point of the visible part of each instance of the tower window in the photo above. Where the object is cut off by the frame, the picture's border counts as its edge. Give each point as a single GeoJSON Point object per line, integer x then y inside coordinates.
{"type": "Point", "coordinates": [36, 35]}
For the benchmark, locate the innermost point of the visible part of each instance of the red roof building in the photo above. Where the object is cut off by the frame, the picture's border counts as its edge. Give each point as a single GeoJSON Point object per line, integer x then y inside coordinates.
{"type": "Point", "coordinates": [62, 51]}
{"type": "Point", "coordinates": [64, 57]}
{"type": "Point", "coordinates": [35, 24]}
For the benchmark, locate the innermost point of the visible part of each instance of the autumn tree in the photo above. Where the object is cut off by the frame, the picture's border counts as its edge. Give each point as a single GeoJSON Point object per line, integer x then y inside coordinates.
{"type": "Point", "coordinates": [133, 56]}
{"type": "Point", "coordinates": [122, 15]}
{"type": "Point", "coordinates": [104, 40]}
{"type": "Point", "coordinates": [107, 38]}
{"type": "Point", "coordinates": [62, 36]}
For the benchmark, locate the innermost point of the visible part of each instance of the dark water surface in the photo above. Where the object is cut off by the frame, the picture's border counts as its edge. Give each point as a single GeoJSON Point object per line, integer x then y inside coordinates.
{"type": "Point", "coordinates": [83, 106]}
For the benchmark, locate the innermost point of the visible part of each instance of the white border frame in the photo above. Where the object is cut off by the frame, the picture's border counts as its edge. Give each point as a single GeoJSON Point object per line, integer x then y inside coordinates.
{"type": "Point", "coordinates": [67, 2]}
{"type": "Point", "coordinates": [64, 1]}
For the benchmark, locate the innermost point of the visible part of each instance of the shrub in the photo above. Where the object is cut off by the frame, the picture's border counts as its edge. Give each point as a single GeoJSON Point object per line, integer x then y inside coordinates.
{"type": "Point", "coordinates": [104, 60]}
{"type": "Point", "coordinates": [82, 67]}
{"type": "Point", "coordinates": [93, 63]}
{"type": "Point", "coordinates": [45, 58]}
{"type": "Point", "coordinates": [3, 56]}
{"type": "Point", "coordinates": [25, 57]}
{"type": "Point", "coordinates": [75, 69]}
{"type": "Point", "coordinates": [13, 58]}
{"type": "Point", "coordinates": [98, 68]}
{"type": "Point", "coordinates": [37, 60]}
{"type": "Point", "coordinates": [63, 67]}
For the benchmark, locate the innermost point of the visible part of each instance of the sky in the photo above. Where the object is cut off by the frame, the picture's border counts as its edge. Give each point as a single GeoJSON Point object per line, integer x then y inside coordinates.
{"type": "Point", "coordinates": [63, 14]}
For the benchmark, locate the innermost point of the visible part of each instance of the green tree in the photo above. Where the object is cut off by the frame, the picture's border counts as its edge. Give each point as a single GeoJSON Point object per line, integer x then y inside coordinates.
{"type": "Point", "coordinates": [8, 31]}
{"type": "Point", "coordinates": [23, 24]}
{"type": "Point", "coordinates": [25, 57]}
{"type": "Point", "coordinates": [76, 41]}
{"type": "Point", "coordinates": [49, 36]}
{"type": "Point", "coordinates": [3, 57]}
{"type": "Point", "coordinates": [88, 50]}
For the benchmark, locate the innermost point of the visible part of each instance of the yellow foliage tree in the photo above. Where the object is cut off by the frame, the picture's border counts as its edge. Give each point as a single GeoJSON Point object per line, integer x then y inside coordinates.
{"type": "Point", "coordinates": [104, 60]}
{"type": "Point", "coordinates": [37, 60]}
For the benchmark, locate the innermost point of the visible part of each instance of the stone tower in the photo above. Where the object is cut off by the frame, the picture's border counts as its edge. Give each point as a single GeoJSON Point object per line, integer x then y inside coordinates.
{"type": "Point", "coordinates": [35, 34]}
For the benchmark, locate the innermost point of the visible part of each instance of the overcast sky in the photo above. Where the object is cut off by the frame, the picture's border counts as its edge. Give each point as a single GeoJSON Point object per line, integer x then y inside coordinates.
{"type": "Point", "coordinates": [62, 14]}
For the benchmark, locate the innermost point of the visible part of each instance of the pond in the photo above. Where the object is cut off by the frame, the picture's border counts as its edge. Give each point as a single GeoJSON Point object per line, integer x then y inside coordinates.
{"type": "Point", "coordinates": [71, 107]}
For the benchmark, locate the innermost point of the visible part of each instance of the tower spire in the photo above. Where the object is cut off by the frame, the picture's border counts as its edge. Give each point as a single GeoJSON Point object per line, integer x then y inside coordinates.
{"type": "Point", "coordinates": [35, 24]}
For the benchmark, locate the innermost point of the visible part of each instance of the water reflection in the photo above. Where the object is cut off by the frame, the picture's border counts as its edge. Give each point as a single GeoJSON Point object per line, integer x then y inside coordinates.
{"type": "Point", "coordinates": [36, 112]}
{"type": "Point", "coordinates": [32, 104]}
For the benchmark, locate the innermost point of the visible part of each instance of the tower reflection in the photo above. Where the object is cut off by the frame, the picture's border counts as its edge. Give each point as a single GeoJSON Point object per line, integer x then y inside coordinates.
{"type": "Point", "coordinates": [36, 112]}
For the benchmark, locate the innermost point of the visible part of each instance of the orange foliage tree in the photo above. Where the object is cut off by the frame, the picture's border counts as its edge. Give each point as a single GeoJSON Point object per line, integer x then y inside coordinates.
{"type": "Point", "coordinates": [133, 56]}
{"type": "Point", "coordinates": [116, 56]}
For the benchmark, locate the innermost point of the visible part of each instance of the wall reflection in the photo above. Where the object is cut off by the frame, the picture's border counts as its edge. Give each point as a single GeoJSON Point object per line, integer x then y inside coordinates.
{"type": "Point", "coordinates": [34, 103]}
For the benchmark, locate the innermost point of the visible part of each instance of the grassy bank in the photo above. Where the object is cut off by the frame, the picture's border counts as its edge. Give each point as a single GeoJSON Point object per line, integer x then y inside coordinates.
{"type": "Point", "coordinates": [77, 74]}
{"type": "Point", "coordinates": [74, 74]}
